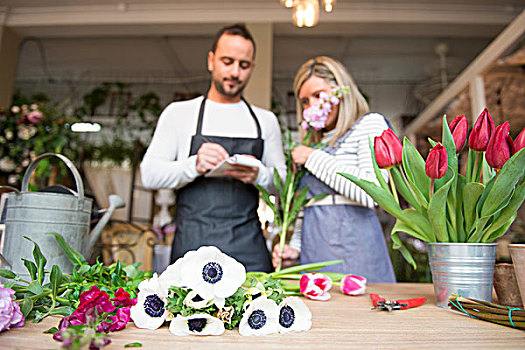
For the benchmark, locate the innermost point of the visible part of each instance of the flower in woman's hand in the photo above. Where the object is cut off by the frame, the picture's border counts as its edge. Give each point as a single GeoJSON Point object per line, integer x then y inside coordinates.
{"type": "Point", "coordinates": [500, 147]}
{"type": "Point", "coordinates": [212, 274]}
{"type": "Point", "coordinates": [315, 286]}
{"type": "Point", "coordinates": [294, 315]}
{"type": "Point", "coordinates": [196, 324]}
{"type": "Point", "coordinates": [481, 132]}
{"type": "Point", "coordinates": [261, 318]}
{"type": "Point", "coordinates": [437, 162]}
{"type": "Point", "coordinates": [519, 143]}
{"type": "Point", "coordinates": [10, 314]}
{"type": "Point", "coordinates": [459, 129]}
{"type": "Point", "coordinates": [150, 310]}
{"type": "Point", "coordinates": [353, 285]}
{"type": "Point", "coordinates": [388, 150]}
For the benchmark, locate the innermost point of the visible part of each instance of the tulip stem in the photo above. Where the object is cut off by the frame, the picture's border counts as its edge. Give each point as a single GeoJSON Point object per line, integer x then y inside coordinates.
{"type": "Point", "coordinates": [431, 191]}
{"type": "Point", "coordinates": [393, 186]}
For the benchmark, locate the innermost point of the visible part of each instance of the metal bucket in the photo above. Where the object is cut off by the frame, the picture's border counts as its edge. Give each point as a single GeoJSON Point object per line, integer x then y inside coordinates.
{"type": "Point", "coordinates": [33, 214]}
{"type": "Point", "coordinates": [466, 269]}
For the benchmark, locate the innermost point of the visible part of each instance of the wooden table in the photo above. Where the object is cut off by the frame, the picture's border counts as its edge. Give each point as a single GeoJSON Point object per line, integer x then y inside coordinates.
{"type": "Point", "coordinates": [343, 322]}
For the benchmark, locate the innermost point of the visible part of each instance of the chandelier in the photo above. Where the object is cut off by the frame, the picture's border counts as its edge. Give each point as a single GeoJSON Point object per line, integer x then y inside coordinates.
{"type": "Point", "coordinates": [306, 12]}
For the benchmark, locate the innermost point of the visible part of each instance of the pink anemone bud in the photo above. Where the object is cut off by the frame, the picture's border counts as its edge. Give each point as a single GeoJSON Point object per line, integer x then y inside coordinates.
{"type": "Point", "coordinates": [388, 150]}
{"type": "Point", "coordinates": [353, 285]}
{"type": "Point", "coordinates": [459, 129]}
{"type": "Point", "coordinates": [500, 147]}
{"type": "Point", "coordinates": [481, 133]}
{"type": "Point", "coordinates": [315, 286]}
{"type": "Point", "coordinates": [437, 162]}
{"type": "Point", "coordinates": [519, 143]}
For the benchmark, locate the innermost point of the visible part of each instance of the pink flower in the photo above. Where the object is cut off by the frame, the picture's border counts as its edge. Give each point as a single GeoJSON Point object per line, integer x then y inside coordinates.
{"type": "Point", "coordinates": [315, 286]}
{"type": "Point", "coordinates": [122, 298]}
{"type": "Point", "coordinates": [353, 285]}
{"type": "Point", "coordinates": [10, 315]}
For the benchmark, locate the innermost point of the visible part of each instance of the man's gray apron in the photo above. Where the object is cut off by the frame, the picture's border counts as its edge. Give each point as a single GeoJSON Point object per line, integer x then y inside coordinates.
{"type": "Point", "coordinates": [222, 211]}
{"type": "Point", "coordinates": [348, 232]}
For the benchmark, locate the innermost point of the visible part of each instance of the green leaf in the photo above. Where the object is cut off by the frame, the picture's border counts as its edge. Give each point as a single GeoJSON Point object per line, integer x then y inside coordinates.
{"type": "Point", "coordinates": [7, 274]}
{"type": "Point", "coordinates": [35, 287]}
{"type": "Point", "coordinates": [75, 257]}
{"type": "Point", "coordinates": [40, 260]}
{"type": "Point", "coordinates": [133, 345]}
{"type": "Point", "coordinates": [26, 306]}
{"type": "Point", "coordinates": [31, 268]}
{"type": "Point", "coordinates": [437, 212]}
{"type": "Point", "coordinates": [377, 171]}
{"type": "Point", "coordinates": [414, 166]}
{"type": "Point", "coordinates": [511, 173]}
{"type": "Point", "coordinates": [55, 279]}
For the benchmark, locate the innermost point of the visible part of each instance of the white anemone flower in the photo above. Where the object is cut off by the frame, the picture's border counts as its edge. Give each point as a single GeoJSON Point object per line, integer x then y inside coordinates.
{"type": "Point", "coordinates": [150, 310]}
{"type": "Point", "coordinates": [171, 277]}
{"type": "Point", "coordinates": [194, 300]}
{"type": "Point", "coordinates": [294, 315]}
{"type": "Point", "coordinates": [197, 324]}
{"type": "Point", "coordinates": [261, 318]}
{"type": "Point", "coordinates": [212, 274]}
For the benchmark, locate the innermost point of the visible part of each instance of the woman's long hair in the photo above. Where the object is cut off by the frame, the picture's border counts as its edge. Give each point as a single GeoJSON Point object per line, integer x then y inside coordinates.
{"type": "Point", "coordinates": [352, 105]}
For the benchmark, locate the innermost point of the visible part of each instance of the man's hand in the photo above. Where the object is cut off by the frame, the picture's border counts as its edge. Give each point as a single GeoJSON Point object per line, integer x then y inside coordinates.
{"type": "Point", "coordinates": [209, 155]}
{"type": "Point", "coordinates": [290, 256]}
{"type": "Point", "coordinates": [301, 153]}
{"type": "Point", "coordinates": [246, 174]}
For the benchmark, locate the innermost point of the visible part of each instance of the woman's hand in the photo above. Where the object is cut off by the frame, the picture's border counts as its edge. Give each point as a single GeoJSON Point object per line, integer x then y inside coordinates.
{"type": "Point", "coordinates": [301, 153]}
{"type": "Point", "coordinates": [290, 256]}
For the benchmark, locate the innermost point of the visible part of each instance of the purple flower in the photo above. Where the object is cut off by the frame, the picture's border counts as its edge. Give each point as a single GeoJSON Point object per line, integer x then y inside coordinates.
{"type": "Point", "coordinates": [10, 315]}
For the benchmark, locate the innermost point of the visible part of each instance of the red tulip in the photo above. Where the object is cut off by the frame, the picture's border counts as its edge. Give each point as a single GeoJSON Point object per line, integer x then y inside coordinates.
{"type": "Point", "coordinates": [500, 148]}
{"type": "Point", "coordinates": [481, 133]}
{"type": "Point", "coordinates": [519, 143]}
{"type": "Point", "coordinates": [437, 162]}
{"type": "Point", "coordinates": [388, 150]}
{"type": "Point", "coordinates": [459, 128]}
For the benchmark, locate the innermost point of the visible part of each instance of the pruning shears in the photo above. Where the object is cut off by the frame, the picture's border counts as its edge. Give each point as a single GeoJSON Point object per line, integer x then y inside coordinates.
{"type": "Point", "coordinates": [400, 304]}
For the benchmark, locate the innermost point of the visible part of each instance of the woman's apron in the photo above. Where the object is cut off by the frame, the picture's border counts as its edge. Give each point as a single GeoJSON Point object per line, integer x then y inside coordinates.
{"type": "Point", "coordinates": [222, 211]}
{"type": "Point", "coordinates": [348, 232]}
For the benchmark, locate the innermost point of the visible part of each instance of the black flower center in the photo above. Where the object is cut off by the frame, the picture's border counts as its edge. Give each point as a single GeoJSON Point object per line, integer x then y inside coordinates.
{"type": "Point", "coordinates": [197, 324]}
{"type": "Point", "coordinates": [286, 317]}
{"type": "Point", "coordinates": [212, 272]}
{"type": "Point", "coordinates": [197, 298]}
{"type": "Point", "coordinates": [154, 306]}
{"type": "Point", "coordinates": [257, 319]}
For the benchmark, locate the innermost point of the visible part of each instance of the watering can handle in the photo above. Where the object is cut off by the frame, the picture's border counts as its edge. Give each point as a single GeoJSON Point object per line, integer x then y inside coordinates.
{"type": "Point", "coordinates": [70, 165]}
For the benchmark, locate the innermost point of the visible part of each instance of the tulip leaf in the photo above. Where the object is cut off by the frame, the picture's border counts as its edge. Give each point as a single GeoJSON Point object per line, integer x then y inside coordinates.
{"type": "Point", "coordinates": [75, 257]}
{"type": "Point", "coordinates": [397, 243]}
{"type": "Point", "coordinates": [511, 173]}
{"type": "Point", "coordinates": [404, 189]}
{"type": "Point", "coordinates": [437, 212]}
{"type": "Point", "coordinates": [414, 166]}
{"type": "Point", "coordinates": [471, 194]}
{"type": "Point", "coordinates": [377, 171]}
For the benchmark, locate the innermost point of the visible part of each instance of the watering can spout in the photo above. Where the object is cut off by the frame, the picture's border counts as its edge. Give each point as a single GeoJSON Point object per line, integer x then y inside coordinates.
{"type": "Point", "coordinates": [115, 202]}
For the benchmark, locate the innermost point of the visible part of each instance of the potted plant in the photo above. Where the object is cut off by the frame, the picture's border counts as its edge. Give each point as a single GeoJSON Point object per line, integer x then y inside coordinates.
{"type": "Point", "coordinates": [459, 216]}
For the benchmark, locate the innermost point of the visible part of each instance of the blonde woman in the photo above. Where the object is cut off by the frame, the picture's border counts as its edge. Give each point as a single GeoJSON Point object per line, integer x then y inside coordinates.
{"type": "Point", "coordinates": [343, 225]}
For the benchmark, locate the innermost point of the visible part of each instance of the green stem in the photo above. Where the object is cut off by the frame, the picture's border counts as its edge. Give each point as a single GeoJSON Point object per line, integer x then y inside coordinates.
{"type": "Point", "coordinates": [393, 186]}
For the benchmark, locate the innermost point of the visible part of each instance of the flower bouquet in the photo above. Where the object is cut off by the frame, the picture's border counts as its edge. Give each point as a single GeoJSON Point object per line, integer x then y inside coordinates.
{"type": "Point", "coordinates": [291, 202]}
{"type": "Point", "coordinates": [202, 294]}
{"type": "Point", "coordinates": [446, 206]}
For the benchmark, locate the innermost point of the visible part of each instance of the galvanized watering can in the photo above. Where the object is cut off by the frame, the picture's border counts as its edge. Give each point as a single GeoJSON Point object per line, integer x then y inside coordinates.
{"type": "Point", "coordinates": [33, 214]}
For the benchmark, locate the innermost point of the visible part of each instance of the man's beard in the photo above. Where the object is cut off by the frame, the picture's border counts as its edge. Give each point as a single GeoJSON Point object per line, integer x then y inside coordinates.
{"type": "Point", "coordinates": [219, 86]}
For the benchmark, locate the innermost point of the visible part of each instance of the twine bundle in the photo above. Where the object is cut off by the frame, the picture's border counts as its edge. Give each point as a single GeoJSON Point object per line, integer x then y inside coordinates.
{"type": "Point", "coordinates": [483, 310]}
